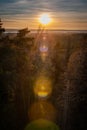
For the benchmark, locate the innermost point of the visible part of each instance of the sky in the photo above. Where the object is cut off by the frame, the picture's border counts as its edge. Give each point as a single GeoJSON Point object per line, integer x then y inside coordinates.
{"type": "Point", "coordinates": [65, 14]}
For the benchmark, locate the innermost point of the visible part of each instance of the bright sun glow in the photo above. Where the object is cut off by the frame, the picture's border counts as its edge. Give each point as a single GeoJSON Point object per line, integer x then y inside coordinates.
{"type": "Point", "coordinates": [45, 19]}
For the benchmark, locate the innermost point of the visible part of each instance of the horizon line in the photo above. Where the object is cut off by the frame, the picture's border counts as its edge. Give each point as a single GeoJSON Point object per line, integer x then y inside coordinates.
{"type": "Point", "coordinates": [49, 29]}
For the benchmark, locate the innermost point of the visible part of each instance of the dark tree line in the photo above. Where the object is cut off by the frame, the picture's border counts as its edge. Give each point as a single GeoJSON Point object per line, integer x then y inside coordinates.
{"type": "Point", "coordinates": [16, 70]}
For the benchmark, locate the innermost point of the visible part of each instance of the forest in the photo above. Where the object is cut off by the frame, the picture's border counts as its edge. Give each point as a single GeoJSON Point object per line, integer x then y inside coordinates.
{"type": "Point", "coordinates": [66, 66]}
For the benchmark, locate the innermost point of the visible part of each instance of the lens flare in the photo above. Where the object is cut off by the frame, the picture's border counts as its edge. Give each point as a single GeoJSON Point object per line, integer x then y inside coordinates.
{"type": "Point", "coordinates": [43, 87]}
{"type": "Point", "coordinates": [42, 110]}
{"type": "Point", "coordinates": [43, 48]}
{"type": "Point", "coordinates": [42, 124]}
{"type": "Point", "coordinates": [44, 56]}
{"type": "Point", "coordinates": [43, 44]}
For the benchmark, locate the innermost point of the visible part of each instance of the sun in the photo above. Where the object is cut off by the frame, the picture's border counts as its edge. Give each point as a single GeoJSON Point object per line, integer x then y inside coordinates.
{"type": "Point", "coordinates": [45, 19]}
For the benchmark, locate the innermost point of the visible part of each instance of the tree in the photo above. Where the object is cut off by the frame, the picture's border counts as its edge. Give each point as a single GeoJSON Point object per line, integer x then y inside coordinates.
{"type": "Point", "coordinates": [23, 32]}
{"type": "Point", "coordinates": [1, 29]}
{"type": "Point", "coordinates": [76, 90]}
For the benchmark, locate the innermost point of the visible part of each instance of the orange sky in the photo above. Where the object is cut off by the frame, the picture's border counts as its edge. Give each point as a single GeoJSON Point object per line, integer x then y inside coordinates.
{"type": "Point", "coordinates": [70, 15]}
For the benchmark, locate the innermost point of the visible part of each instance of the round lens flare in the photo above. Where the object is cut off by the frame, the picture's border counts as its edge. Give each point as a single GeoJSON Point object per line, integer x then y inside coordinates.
{"type": "Point", "coordinates": [42, 109]}
{"type": "Point", "coordinates": [41, 124]}
{"type": "Point", "coordinates": [43, 87]}
{"type": "Point", "coordinates": [45, 19]}
{"type": "Point", "coordinates": [43, 48]}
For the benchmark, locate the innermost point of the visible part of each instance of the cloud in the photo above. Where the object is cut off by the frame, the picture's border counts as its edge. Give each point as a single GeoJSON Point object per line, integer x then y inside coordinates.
{"type": "Point", "coordinates": [7, 1]}
{"type": "Point", "coordinates": [43, 5]}
{"type": "Point", "coordinates": [30, 9]}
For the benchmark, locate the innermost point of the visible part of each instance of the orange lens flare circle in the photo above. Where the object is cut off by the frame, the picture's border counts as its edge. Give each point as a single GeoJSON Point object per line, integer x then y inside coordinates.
{"type": "Point", "coordinates": [43, 87]}
{"type": "Point", "coordinates": [42, 110]}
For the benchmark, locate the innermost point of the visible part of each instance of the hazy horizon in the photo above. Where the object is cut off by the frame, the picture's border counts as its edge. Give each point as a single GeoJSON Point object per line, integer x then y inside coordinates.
{"type": "Point", "coordinates": [49, 30]}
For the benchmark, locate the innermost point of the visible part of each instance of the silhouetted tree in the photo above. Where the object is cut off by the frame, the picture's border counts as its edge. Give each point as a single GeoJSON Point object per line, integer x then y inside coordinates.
{"type": "Point", "coordinates": [1, 29]}
{"type": "Point", "coordinates": [23, 32]}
